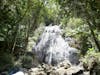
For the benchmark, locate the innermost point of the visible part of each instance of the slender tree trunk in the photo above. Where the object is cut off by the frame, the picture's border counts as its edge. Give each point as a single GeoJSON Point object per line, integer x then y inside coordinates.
{"type": "Point", "coordinates": [93, 35]}
{"type": "Point", "coordinates": [27, 34]}
{"type": "Point", "coordinates": [14, 38]}
{"type": "Point", "coordinates": [88, 18]}
{"type": "Point", "coordinates": [17, 27]}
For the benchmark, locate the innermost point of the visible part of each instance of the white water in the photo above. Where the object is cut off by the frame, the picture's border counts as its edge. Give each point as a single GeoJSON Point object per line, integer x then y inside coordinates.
{"type": "Point", "coordinates": [19, 73]}
{"type": "Point", "coordinates": [51, 48]}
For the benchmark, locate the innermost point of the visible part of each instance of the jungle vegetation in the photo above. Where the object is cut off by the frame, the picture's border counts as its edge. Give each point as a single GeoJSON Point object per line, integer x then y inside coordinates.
{"type": "Point", "coordinates": [21, 21]}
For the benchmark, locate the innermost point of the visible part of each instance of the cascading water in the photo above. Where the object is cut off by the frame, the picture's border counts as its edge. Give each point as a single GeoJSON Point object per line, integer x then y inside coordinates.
{"type": "Point", "coordinates": [52, 49]}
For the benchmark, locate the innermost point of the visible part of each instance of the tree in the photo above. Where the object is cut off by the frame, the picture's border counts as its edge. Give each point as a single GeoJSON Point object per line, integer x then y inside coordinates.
{"type": "Point", "coordinates": [87, 10]}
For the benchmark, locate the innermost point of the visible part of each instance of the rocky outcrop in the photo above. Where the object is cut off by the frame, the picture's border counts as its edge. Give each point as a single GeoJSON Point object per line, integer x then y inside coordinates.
{"type": "Point", "coordinates": [63, 68]}
{"type": "Point", "coordinates": [51, 48]}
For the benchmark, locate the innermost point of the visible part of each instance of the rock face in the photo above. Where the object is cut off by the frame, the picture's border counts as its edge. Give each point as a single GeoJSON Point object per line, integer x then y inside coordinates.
{"type": "Point", "coordinates": [52, 49]}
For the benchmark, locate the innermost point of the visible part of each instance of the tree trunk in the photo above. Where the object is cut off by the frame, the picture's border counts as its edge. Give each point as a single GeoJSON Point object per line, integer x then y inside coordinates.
{"type": "Point", "coordinates": [94, 37]}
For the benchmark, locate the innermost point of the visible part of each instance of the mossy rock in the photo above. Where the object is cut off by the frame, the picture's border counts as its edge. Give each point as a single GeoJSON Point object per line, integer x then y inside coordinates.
{"type": "Point", "coordinates": [27, 62]}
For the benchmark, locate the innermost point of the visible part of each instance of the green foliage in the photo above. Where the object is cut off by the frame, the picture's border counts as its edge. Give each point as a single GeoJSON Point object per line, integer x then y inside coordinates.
{"type": "Point", "coordinates": [75, 26]}
{"type": "Point", "coordinates": [21, 22]}
{"type": "Point", "coordinates": [87, 13]}
{"type": "Point", "coordinates": [91, 60]}
{"type": "Point", "coordinates": [12, 12]}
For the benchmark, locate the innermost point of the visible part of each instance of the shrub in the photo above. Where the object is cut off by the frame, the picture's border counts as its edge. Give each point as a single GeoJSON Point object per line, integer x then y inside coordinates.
{"type": "Point", "coordinates": [6, 61]}
{"type": "Point", "coordinates": [27, 62]}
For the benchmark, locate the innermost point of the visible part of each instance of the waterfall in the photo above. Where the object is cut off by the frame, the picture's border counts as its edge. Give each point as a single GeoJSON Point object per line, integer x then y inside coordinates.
{"type": "Point", "coordinates": [51, 48]}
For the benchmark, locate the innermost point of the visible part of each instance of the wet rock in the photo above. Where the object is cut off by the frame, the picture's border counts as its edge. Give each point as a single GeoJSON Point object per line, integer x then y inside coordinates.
{"type": "Point", "coordinates": [61, 71]}
{"type": "Point", "coordinates": [72, 42]}
{"type": "Point", "coordinates": [51, 47]}
{"type": "Point", "coordinates": [47, 68]}
{"type": "Point", "coordinates": [37, 71]}
{"type": "Point", "coordinates": [86, 73]}
{"type": "Point", "coordinates": [63, 68]}
{"type": "Point", "coordinates": [70, 71]}
{"type": "Point", "coordinates": [65, 64]}
{"type": "Point", "coordinates": [74, 70]}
